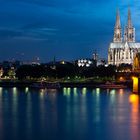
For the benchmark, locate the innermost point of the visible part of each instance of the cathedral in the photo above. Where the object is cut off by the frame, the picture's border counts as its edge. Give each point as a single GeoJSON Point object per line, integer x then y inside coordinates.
{"type": "Point", "coordinates": [122, 50]}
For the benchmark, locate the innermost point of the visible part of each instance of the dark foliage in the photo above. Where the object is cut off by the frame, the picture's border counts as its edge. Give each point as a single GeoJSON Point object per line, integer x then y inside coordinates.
{"type": "Point", "coordinates": [25, 71]}
{"type": "Point", "coordinates": [63, 70]}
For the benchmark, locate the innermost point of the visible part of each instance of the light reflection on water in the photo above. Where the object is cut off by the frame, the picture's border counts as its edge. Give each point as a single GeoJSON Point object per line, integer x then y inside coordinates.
{"type": "Point", "coordinates": [135, 115]}
{"type": "Point", "coordinates": [26, 90]}
{"type": "Point", "coordinates": [70, 113]}
{"type": "Point", "coordinates": [1, 113]}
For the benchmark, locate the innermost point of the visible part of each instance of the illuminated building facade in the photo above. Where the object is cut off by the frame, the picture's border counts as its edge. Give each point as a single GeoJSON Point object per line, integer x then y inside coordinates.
{"type": "Point", "coordinates": [123, 49]}
{"type": "Point", "coordinates": [84, 63]}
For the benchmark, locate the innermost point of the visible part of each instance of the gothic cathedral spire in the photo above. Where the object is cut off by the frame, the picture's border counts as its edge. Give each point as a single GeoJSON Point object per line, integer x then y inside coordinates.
{"type": "Point", "coordinates": [129, 22]}
{"type": "Point", "coordinates": [117, 30]}
{"type": "Point", "coordinates": [118, 23]}
{"type": "Point", "coordinates": [129, 33]}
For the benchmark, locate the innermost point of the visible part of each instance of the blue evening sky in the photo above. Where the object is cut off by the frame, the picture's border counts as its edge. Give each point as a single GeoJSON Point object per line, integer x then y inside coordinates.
{"type": "Point", "coordinates": [66, 29]}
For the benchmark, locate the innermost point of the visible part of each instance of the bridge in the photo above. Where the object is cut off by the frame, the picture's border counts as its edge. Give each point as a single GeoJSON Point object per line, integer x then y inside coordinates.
{"type": "Point", "coordinates": [136, 70]}
{"type": "Point", "coordinates": [136, 84]}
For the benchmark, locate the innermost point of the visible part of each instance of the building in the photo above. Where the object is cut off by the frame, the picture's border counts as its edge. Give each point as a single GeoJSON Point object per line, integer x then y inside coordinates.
{"type": "Point", "coordinates": [84, 62]}
{"type": "Point", "coordinates": [123, 49]}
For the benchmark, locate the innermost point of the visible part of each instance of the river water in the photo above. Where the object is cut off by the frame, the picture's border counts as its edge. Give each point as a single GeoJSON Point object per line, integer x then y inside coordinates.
{"type": "Point", "coordinates": [69, 114]}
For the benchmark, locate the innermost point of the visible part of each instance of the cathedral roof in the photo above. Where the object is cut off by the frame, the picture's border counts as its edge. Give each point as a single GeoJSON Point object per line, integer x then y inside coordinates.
{"type": "Point", "coordinates": [124, 45]}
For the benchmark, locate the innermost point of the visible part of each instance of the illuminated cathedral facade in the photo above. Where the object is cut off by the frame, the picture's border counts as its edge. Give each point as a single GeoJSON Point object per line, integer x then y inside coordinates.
{"type": "Point", "coordinates": [123, 49]}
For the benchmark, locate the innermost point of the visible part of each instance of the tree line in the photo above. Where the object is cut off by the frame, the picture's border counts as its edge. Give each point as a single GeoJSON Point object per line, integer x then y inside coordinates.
{"type": "Point", "coordinates": [63, 70]}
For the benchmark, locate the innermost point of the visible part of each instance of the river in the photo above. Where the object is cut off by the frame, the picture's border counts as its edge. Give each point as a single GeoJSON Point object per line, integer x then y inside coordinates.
{"type": "Point", "coordinates": [69, 114]}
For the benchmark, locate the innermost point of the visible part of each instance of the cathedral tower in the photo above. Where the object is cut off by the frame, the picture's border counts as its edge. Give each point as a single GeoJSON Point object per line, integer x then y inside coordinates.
{"type": "Point", "coordinates": [129, 33]}
{"type": "Point", "coordinates": [123, 51]}
{"type": "Point", "coordinates": [117, 30]}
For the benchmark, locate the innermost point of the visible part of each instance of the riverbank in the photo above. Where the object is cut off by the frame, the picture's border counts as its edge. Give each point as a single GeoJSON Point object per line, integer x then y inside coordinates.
{"type": "Point", "coordinates": [91, 84]}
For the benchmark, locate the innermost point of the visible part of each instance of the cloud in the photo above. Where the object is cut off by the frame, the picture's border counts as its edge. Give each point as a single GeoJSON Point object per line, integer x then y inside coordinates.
{"type": "Point", "coordinates": [62, 26]}
{"type": "Point", "coordinates": [27, 33]}
{"type": "Point", "coordinates": [9, 33]}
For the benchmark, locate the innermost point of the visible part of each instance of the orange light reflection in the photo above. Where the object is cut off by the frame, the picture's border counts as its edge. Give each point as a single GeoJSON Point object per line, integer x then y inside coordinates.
{"type": "Point", "coordinates": [134, 100]}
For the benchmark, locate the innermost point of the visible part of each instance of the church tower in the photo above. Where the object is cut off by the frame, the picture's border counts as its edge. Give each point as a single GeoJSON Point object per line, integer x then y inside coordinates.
{"type": "Point", "coordinates": [117, 30]}
{"type": "Point", "coordinates": [123, 51]}
{"type": "Point", "coordinates": [129, 33]}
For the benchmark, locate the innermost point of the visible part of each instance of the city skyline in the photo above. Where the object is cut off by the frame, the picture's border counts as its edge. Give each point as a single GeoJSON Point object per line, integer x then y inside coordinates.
{"type": "Point", "coordinates": [67, 30]}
